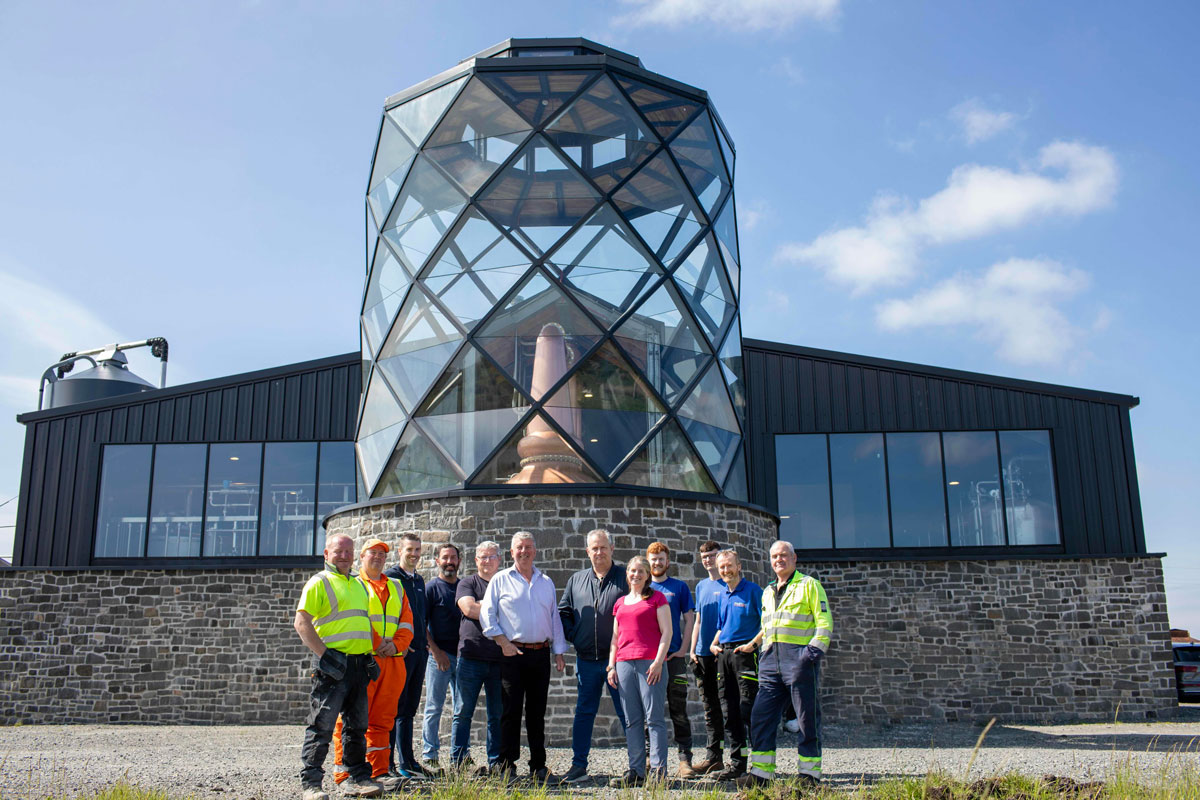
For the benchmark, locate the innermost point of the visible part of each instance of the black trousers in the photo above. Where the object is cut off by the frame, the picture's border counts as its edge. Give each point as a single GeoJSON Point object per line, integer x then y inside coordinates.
{"type": "Point", "coordinates": [330, 697]}
{"type": "Point", "coordinates": [739, 687]}
{"type": "Point", "coordinates": [677, 697]}
{"type": "Point", "coordinates": [406, 709]}
{"type": "Point", "coordinates": [524, 686]}
{"type": "Point", "coordinates": [705, 670]}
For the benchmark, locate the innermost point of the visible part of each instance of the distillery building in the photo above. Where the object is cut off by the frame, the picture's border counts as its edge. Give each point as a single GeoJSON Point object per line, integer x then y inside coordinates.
{"type": "Point", "coordinates": [551, 342]}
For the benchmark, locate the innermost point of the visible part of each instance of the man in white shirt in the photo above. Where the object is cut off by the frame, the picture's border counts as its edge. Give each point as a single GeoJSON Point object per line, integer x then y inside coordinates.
{"type": "Point", "coordinates": [520, 613]}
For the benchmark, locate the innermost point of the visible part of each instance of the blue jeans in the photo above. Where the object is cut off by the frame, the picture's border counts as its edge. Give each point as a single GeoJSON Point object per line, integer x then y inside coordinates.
{"type": "Point", "coordinates": [590, 680]}
{"type": "Point", "coordinates": [473, 675]}
{"type": "Point", "coordinates": [436, 684]}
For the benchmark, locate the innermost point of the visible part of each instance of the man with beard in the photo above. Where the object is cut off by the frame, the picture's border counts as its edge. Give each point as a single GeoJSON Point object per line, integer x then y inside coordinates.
{"type": "Point", "coordinates": [679, 600]}
{"type": "Point", "coordinates": [478, 663]}
{"type": "Point", "coordinates": [441, 670]}
{"type": "Point", "coordinates": [586, 609]}
{"type": "Point", "coordinates": [401, 757]}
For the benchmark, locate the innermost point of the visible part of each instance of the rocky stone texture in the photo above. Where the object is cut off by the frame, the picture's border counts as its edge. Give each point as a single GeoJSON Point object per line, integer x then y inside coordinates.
{"type": "Point", "coordinates": [914, 641]}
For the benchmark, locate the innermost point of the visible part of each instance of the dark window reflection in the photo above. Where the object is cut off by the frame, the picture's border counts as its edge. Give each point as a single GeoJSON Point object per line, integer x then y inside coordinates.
{"type": "Point", "coordinates": [124, 496]}
{"type": "Point", "coordinates": [915, 478]}
{"type": "Point", "coordinates": [177, 504]}
{"type": "Point", "coordinates": [289, 498]}
{"type": "Point", "coordinates": [802, 465]}
{"type": "Point", "coordinates": [231, 519]}
{"type": "Point", "coordinates": [336, 486]}
{"type": "Point", "coordinates": [859, 495]}
{"type": "Point", "coordinates": [973, 489]}
{"type": "Point", "coordinates": [1031, 509]}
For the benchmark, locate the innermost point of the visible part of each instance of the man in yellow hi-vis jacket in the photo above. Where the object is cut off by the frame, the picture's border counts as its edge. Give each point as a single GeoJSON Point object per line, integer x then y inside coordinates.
{"type": "Point", "coordinates": [796, 629]}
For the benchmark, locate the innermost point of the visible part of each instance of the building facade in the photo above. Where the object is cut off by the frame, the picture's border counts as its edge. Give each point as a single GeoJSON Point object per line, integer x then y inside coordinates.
{"type": "Point", "coordinates": [551, 342]}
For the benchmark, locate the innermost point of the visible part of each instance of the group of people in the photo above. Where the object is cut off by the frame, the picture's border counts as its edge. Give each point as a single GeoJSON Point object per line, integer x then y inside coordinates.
{"type": "Point", "coordinates": [379, 635]}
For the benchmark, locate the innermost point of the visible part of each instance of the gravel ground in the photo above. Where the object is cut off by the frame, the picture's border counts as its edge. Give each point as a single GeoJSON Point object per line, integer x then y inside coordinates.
{"type": "Point", "coordinates": [261, 762]}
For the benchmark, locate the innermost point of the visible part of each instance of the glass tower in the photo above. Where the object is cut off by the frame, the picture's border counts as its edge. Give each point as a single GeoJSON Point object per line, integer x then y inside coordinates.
{"type": "Point", "coordinates": [552, 282]}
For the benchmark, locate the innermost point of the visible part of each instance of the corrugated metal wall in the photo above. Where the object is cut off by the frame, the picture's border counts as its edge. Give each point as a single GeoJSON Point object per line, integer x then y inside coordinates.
{"type": "Point", "coordinates": [312, 401]}
{"type": "Point", "coordinates": [799, 390]}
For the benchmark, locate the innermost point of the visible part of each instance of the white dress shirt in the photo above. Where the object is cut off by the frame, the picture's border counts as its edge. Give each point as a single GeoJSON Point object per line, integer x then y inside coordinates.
{"type": "Point", "coordinates": [521, 610]}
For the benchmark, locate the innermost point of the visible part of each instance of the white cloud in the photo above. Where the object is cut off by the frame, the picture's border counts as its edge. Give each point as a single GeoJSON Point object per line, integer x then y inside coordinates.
{"type": "Point", "coordinates": [1015, 305]}
{"type": "Point", "coordinates": [18, 391]}
{"type": "Point", "coordinates": [750, 15]}
{"type": "Point", "coordinates": [39, 318]}
{"type": "Point", "coordinates": [786, 69]}
{"type": "Point", "coordinates": [1070, 179]}
{"type": "Point", "coordinates": [980, 123]}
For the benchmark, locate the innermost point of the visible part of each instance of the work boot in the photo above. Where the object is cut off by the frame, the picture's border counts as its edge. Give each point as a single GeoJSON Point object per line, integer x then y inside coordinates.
{"type": "Point", "coordinates": [711, 764]}
{"type": "Point", "coordinates": [314, 793]}
{"type": "Point", "coordinates": [732, 774]}
{"type": "Point", "coordinates": [686, 770]}
{"type": "Point", "coordinates": [356, 788]}
{"type": "Point", "coordinates": [391, 782]}
{"type": "Point", "coordinates": [750, 780]}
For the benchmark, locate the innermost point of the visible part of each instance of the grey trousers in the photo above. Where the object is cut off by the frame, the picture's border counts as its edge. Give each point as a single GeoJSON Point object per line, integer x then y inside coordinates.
{"type": "Point", "coordinates": [644, 708]}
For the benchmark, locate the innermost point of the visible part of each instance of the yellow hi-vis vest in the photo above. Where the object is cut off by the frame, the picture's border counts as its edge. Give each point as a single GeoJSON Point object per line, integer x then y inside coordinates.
{"type": "Point", "coordinates": [339, 606]}
{"type": "Point", "coordinates": [386, 621]}
{"type": "Point", "coordinates": [802, 616]}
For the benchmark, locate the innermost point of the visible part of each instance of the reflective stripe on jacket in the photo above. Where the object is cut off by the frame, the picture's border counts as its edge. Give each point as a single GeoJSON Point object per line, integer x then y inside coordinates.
{"type": "Point", "coordinates": [347, 626]}
{"type": "Point", "coordinates": [802, 616]}
{"type": "Point", "coordinates": [386, 621]}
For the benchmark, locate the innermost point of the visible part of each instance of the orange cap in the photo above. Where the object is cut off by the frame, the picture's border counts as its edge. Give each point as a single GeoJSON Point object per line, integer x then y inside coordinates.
{"type": "Point", "coordinates": [376, 543]}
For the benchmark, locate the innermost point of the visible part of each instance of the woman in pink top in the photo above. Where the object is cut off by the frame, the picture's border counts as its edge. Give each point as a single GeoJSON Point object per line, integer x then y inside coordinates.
{"type": "Point", "coordinates": [641, 637]}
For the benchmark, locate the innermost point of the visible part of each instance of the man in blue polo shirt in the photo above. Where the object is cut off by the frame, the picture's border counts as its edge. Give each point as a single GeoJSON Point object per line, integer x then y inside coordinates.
{"type": "Point", "coordinates": [738, 623]}
{"type": "Point", "coordinates": [704, 663]}
{"type": "Point", "coordinates": [679, 600]}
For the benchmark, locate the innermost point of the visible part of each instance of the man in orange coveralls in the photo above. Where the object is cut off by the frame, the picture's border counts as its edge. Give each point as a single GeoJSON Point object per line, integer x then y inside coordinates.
{"type": "Point", "coordinates": [392, 632]}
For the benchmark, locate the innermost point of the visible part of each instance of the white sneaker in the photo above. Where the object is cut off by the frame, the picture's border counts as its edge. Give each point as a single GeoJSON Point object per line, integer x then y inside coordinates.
{"type": "Point", "coordinates": [792, 726]}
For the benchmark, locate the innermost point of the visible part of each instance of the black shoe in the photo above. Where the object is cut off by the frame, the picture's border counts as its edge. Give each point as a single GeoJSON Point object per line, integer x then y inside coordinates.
{"type": "Point", "coordinates": [503, 773]}
{"type": "Point", "coordinates": [415, 772]}
{"type": "Point", "coordinates": [540, 776]}
{"type": "Point", "coordinates": [629, 780]}
{"type": "Point", "coordinates": [732, 774]}
{"type": "Point", "coordinates": [750, 780]}
{"type": "Point", "coordinates": [576, 776]}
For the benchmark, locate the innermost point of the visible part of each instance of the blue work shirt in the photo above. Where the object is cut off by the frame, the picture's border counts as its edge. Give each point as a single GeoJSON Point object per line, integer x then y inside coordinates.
{"type": "Point", "coordinates": [679, 599]}
{"type": "Point", "coordinates": [708, 609]}
{"type": "Point", "coordinates": [741, 613]}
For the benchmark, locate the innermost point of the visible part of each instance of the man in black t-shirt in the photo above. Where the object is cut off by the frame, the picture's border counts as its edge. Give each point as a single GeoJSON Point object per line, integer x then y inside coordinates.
{"type": "Point", "coordinates": [478, 662]}
{"type": "Point", "coordinates": [442, 667]}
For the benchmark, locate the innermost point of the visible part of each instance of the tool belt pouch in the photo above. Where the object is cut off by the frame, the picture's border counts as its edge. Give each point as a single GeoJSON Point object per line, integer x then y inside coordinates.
{"type": "Point", "coordinates": [372, 669]}
{"type": "Point", "coordinates": [333, 664]}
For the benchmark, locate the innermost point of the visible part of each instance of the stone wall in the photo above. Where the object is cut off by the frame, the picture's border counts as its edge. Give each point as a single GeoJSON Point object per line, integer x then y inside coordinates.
{"type": "Point", "coordinates": [960, 640]}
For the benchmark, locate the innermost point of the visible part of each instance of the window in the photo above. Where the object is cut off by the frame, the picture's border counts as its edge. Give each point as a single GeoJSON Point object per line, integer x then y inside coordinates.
{"type": "Point", "coordinates": [915, 490]}
{"type": "Point", "coordinates": [192, 500]}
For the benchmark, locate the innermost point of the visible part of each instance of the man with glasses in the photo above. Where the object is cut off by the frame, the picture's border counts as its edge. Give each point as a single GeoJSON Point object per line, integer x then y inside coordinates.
{"type": "Point", "coordinates": [478, 663]}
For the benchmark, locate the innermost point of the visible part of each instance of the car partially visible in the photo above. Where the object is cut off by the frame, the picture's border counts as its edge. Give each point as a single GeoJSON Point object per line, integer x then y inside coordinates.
{"type": "Point", "coordinates": [1187, 672]}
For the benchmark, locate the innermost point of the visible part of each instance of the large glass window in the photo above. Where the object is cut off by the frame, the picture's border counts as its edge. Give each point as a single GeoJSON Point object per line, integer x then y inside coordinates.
{"type": "Point", "coordinates": [289, 498]}
{"type": "Point", "coordinates": [1032, 514]}
{"type": "Point", "coordinates": [177, 502]}
{"type": "Point", "coordinates": [937, 490]}
{"type": "Point", "coordinates": [917, 497]}
{"type": "Point", "coordinates": [231, 518]}
{"type": "Point", "coordinates": [860, 517]}
{"type": "Point", "coordinates": [124, 496]}
{"type": "Point", "coordinates": [802, 466]}
{"type": "Point", "coordinates": [335, 484]}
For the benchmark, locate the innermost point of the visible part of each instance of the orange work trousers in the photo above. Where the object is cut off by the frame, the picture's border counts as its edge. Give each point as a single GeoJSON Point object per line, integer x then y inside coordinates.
{"type": "Point", "coordinates": [383, 695]}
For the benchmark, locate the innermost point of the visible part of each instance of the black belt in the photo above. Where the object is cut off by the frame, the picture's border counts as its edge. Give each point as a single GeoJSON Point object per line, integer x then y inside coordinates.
{"type": "Point", "coordinates": [733, 645]}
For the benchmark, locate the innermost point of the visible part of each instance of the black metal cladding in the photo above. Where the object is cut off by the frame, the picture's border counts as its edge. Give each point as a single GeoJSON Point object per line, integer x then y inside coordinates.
{"type": "Point", "coordinates": [60, 475]}
{"type": "Point", "coordinates": [803, 390]}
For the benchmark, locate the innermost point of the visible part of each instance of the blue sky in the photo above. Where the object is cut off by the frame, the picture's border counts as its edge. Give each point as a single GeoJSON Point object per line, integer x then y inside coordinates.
{"type": "Point", "coordinates": [1004, 188]}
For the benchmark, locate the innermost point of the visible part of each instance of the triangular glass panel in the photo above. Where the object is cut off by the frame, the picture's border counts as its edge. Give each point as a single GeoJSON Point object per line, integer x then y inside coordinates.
{"type": "Point", "coordinates": [656, 203]}
{"type": "Point", "coordinates": [468, 438]}
{"type": "Point", "coordinates": [475, 267]}
{"type": "Point", "coordinates": [709, 402]}
{"type": "Point", "coordinates": [667, 462]}
{"type": "Point", "coordinates": [702, 282]}
{"type": "Point", "coordinates": [602, 134]}
{"type": "Point", "coordinates": [604, 265]}
{"type": "Point", "coordinates": [539, 197]}
{"type": "Point", "coordinates": [416, 466]}
{"type": "Point", "coordinates": [715, 445]}
{"type": "Point", "coordinates": [699, 157]}
{"type": "Point", "coordinates": [476, 136]}
{"type": "Point", "coordinates": [472, 163]}
{"type": "Point", "coordinates": [726, 229]}
{"type": "Point", "coordinates": [418, 347]}
{"type": "Point", "coordinates": [605, 407]}
{"type": "Point", "coordinates": [734, 371]}
{"type": "Point", "coordinates": [385, 293]}
{"type": "Point", "coordinates": [537, 95]}
{"type": "Point", "coordinates": [373, 453]}
{"type": "Point", "coordinates": [536, 454]}
{"type": "Point", "coordinates": [380, 409]}
{"type": "Point", "coordinates": [538, 335]}
{"type": "Point", "coordinates": [736, 485]}
{"type": "Point", "coordinates": [393, 155]}
{"type": "Point", "coordinates": [665, 110]}
{"type": "Point", "coordinates": [425, 210]}
{"type": "Point", "coordinates": [726, 146]}
{"type": "Point", "coordinates": [664, 342]}
{"type": "Point", "coordinates": [417, 116]}
{"type": "Point", "coordinates": [471, 383]}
